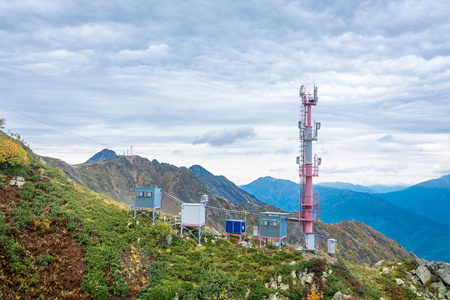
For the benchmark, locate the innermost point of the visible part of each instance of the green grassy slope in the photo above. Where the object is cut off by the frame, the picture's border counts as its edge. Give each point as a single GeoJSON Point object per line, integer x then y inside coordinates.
{"type": "Point", "coordinates": [61, 240]}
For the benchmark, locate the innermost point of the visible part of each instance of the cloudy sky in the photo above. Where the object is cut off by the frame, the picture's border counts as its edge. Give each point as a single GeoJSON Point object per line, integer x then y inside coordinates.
{"type": "Point", "coordinates": [216, 83]}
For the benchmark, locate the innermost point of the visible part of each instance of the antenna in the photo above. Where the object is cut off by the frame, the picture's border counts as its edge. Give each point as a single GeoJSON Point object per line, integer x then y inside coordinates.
{"type": "Point", "coordinates": [308, 167]}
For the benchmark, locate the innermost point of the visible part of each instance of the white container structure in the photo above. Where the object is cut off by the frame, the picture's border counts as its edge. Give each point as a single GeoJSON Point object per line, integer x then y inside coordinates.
{"type": "Point", "coordinates": [255, 231]}
{"type": "Point", "coordinates": [331, 246]}
{"type": "Point", "coordinates": [193, 217]}
{"type": "Point", "coordinates": [192, 214]}
{"type": "Point", "coordinates": [310, 242]}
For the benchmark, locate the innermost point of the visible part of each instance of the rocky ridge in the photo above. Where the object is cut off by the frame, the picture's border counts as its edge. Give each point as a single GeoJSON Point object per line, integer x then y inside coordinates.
{"type": "Point", "coordinates": [426, 280]}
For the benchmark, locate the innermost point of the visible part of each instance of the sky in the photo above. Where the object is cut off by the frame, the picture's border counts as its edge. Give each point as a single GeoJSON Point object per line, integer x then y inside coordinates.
{"type": "Point", "coordinates": [216, 83]}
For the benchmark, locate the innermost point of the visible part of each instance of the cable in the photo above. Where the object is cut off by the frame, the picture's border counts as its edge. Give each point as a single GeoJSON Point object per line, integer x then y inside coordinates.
{"type": "Point", "coordinates": [59, 128]}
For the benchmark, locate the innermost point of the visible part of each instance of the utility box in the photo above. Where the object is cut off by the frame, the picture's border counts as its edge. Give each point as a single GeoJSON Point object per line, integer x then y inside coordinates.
{"type": "Point", "coordinates": [331, 246]}
{"type": "Point", "coordinates": [273, 225]}
{"type": "Point", "coordinates": [193, 214]}
{"type": "Point", "coordinates": [255, 231]}
{"type": "Point", "coordinates": [145, 197]}
{"type": "Point", "coordinates": [310, 241]}
{"type": "Point", "coordinates": [235, 226]}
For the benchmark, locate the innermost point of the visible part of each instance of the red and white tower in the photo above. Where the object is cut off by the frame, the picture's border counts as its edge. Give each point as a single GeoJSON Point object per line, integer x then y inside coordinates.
{"type": "Point", "coordinates": [309, 211]}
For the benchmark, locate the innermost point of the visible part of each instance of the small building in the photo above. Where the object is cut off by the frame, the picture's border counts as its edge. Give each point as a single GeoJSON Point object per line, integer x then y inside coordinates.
{"type": "Point", "coordinates": [273, 225]}
{"type": "Point", "coordinates": [193, 218]}
{"type": "Point", "coordinates": [192, 214]}
{"type": "Point", "coordinates": [236, 228]}
{"type": "Point", "coordinates": [147, 200]}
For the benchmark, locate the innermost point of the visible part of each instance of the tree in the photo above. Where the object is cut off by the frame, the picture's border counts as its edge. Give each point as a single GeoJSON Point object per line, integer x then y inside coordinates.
{"type": "Point", "coordinates": [11, 153]}
{"type": "Point", "coordinates": [2, 123]}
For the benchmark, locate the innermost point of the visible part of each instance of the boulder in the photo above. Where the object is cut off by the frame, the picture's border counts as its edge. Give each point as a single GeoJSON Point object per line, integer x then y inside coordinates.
{"type": "Point", "coordinates": [274, 285]}
{"type": "Point", "coordinates": [423, 273]}
{"type": "Point", "coordinates": [284, 286]}
{"type": "Point", "coordinates": [420, 262]}
{"type": "Point", "coordinates": [379, 263]}
{"type": "Point", "coordinates": [274, 297]}
{"type": "Point", "coordinates": [447, 295]}
{"type": "Point", "coordinates": [444, 273]}
{"type": "Point", "coordinates": [441, 290]}
{"type": "Point", "coordinates": [385, 271]}
{"type": "Point", "coordinates": [309, 278]}
{"type": "Point", "coordinates": [279, 278]}
{"type": "Point", "coordinates": [337, 296]}
{"type": "Point", "coordinates": [293, 275]}
{"type": "Point", "coordinates": [214, 232]}
{"type": "Point", "coordinates": [399, 281]}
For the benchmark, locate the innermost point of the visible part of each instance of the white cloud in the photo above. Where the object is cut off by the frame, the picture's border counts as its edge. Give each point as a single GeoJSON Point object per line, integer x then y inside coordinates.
{"type": "Point", "coordinates": [224, 136]}
{"type": "Point", "coordinates": [163, 76]}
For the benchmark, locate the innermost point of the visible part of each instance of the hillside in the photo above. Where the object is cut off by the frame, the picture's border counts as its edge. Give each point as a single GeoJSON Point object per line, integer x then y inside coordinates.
{"type": "Point", "coordinates": [220, 186]}
{"type": "Point", "coordinates": [125, 172]}
{"type": "Point", "coordinates": [361, 243]}
{"type": "Point", "coordinates": [399, 224]}
{"type": "Point", "coordinates": [61, 240]}
{"type": "Point", "coordinates": [435, 194]}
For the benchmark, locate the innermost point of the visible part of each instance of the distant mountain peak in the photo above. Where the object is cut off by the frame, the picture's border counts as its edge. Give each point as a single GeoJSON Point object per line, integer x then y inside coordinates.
{"type": "Point", "coordinates": [220, 186]}
{"type": "Point", "coordinates": [105, 154]}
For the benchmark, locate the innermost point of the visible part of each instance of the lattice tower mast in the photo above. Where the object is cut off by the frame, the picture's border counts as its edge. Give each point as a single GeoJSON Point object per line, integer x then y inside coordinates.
{"type": "Point", "coordinates": [309, 210]}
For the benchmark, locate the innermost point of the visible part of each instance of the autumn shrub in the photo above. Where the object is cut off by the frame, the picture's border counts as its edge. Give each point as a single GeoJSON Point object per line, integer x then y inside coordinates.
{"type": "Point", "coordinates": [314, 294]}
{"type": "Point", "coordinates": [11, 153]}
{"type": "Point", "coordinates": [342, 271]}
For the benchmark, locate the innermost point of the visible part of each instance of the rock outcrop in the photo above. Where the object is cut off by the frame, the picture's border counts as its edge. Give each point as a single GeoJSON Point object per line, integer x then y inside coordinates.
{"type": "Point", "coordinates": [433, 277]}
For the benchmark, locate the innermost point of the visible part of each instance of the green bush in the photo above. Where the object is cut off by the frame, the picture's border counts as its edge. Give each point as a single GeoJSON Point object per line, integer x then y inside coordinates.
{"type": "Point", "coordinates": [35, 177]}
{"type": "Point", "coordinates": [45, 259]}
{"type": "Point", "coordinates": [213, 283]}
{"type": "Point", "coordinates": [27, 191]}
{"type": "Point", "coordinates": [94, 283]}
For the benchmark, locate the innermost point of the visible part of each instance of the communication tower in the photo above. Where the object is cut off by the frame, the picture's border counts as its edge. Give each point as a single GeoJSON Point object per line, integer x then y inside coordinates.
{"type": "Point", "coordinates": [309, 210]}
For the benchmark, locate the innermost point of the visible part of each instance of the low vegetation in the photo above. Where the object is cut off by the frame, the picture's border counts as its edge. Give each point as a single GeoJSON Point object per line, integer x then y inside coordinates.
{"type": "Point", "coordinates": [61, 240]}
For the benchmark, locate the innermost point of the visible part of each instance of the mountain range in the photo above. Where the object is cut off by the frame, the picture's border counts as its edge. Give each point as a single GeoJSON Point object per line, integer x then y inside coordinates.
{"type": "Point", "coordinates": [426, 237]}
{"type": "Point", "coordinates": [372, 189]}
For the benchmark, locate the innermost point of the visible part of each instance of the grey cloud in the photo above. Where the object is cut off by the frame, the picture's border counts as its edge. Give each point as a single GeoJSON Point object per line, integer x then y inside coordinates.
{"type": "Point", "coordinates": [225, 136]}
